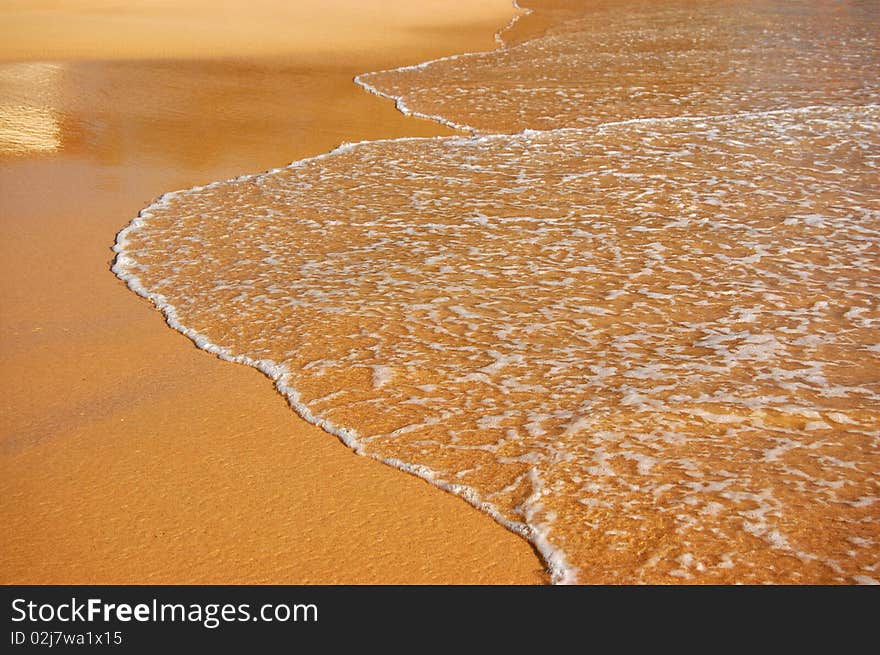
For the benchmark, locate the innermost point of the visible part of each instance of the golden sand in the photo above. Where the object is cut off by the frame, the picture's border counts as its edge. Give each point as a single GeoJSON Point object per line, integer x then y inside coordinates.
{"type": "Point", "coordinates": [126, 454]}
{"type": "Point", "coordinates": [311, 30]}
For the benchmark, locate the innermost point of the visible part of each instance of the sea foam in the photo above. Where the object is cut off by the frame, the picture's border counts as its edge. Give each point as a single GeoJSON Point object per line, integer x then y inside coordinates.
{"type": "Point", "coordinates": [643, 337]}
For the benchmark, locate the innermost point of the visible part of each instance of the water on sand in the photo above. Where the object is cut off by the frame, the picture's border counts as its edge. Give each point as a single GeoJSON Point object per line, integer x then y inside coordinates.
{"type": "Point", "coordinates": [642, 332]}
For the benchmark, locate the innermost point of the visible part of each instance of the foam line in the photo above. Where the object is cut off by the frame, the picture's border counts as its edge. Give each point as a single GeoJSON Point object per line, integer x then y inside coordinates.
{"type": "Point", "coordinates": [398, 100]}
{"type": "Point", "coordinates": [125, 267]}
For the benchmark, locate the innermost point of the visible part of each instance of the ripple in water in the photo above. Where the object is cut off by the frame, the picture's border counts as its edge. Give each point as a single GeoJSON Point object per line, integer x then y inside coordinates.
{"type": "Point", "coordinates": [651, 347]}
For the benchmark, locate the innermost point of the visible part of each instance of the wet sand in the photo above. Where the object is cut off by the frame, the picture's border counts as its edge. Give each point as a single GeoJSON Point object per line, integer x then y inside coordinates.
{"type": "Point", "coordinates": [126, 454]}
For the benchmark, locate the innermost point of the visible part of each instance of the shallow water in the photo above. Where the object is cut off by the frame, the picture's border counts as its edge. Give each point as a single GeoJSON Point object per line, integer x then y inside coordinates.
{"type": "Point", "coordinates": [613, 60]}
{"type": "Point", "coordinates": [648, 345]}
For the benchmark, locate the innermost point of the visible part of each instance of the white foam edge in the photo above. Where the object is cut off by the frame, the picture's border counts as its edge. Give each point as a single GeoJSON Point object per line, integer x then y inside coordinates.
{"type": "Point", "coordinates": [520, 12]}
{"type": "Point", "coordinates": [399, 103]}
{"type": "Point", "coordinates": [554, 559]}
{"type": "Point", "coordinates": [404, 109]}
{"type": "Point", "coordinates": [560, 570]}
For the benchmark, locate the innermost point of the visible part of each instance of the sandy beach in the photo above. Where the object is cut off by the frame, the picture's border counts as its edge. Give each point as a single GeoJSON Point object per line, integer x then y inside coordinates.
{"type": "Point", "coordinates": [126, 454]}
{"type": "Point", "coordinates": [608, 283]}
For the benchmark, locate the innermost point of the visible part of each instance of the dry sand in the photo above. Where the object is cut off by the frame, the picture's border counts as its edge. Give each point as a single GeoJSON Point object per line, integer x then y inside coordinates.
{"type": "Point", "coordinates": [126, 454]}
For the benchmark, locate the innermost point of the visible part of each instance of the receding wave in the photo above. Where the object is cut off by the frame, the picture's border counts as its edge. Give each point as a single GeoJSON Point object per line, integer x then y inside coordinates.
{"type": "Point", "coordinates": [606, 60]}
{"type": "Point", "coordinates": [650, 346]}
